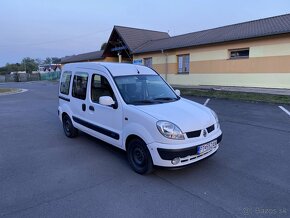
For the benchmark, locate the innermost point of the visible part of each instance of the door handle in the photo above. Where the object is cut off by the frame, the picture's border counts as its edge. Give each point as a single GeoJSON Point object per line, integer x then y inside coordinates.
{"type": "Point", "coordinates": [84, 107]}
{"type": "Point", "coordinates": [91, 108]}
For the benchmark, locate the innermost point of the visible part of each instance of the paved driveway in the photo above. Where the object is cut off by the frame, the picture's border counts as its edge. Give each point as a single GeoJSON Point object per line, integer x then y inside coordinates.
{"type": "Point", "coordinates": [45, 174]}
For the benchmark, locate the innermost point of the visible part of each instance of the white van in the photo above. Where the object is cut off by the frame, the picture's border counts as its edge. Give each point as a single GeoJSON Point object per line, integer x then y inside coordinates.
{"type": "Point", "coordinates": [133, 108]}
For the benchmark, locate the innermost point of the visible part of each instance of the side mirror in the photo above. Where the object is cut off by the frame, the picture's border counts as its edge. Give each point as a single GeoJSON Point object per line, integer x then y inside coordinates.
{"type": "Point", "coordinates": [177, 92]}
{"type": "Point", "coordinates": [107, 101]}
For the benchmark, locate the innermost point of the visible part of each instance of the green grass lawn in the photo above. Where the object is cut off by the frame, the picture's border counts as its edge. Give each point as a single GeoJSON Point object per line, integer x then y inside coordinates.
{"type": "Point", "coordinates": [8, 90]}
{"type": "Point", "coordinates": [244, 96]}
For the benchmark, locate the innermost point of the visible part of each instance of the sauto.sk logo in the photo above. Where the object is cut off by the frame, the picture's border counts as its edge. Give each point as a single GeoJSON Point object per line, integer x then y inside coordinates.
{"type": "Point", "coordinates": [204, 133]}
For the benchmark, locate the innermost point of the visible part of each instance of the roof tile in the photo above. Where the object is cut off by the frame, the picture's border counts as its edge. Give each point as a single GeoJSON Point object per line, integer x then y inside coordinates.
{"type": "Point", "coordinates": [83, 57]}
{"type": "Point", "coordinates": [252, 29]}
{"type": "Point", "coordinates": [134, 37]}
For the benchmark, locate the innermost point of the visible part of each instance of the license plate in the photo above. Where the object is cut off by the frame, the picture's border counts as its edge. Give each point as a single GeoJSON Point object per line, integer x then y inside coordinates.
{"type": "Point", "coordinates": [206, 147]}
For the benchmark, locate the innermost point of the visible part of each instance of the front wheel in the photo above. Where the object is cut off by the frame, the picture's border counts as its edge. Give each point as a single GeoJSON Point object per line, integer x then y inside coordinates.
{"type": "Point", "coordinates": [68, 128]}
{"type": "Point", "coordinates": [139, 157]}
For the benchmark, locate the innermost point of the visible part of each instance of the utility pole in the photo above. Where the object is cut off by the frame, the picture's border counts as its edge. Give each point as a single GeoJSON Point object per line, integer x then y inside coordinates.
{"type": "Point", "coordinates": [166, 63]}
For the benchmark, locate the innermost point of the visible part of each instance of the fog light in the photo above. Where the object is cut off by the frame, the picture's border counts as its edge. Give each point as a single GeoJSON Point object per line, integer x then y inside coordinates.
{"type": "Point", "coordinates": [175, 161]}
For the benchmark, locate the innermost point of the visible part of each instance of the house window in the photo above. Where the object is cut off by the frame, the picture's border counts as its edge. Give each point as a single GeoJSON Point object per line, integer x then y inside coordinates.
{"type": "Point", "coordinates": [239, 53]}
{"type": "Point", "coordinates": [148, 62]}
{"type": "Point", "coordinates": [79, 89]}
{"type": "Point", "coordinates": [183, 63]}
{"type": "Point", "coordinates": [65, 82]}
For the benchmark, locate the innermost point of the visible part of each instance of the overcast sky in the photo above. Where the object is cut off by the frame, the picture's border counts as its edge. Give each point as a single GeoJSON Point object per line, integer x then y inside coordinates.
{"type": "Point", "coordinates": [46, 28]}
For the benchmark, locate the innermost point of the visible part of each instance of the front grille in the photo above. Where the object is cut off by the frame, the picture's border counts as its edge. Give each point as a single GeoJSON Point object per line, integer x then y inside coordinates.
{"type": "Point", "coordinates": [210, 129]}
{"type": "Point", "coordinates": [170, 154]}
{"type": "Point", "coordinates": [193, 134]}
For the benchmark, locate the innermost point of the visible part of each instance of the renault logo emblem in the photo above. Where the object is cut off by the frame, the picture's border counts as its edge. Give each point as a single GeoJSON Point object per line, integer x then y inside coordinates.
{"type": "Point", "coordinates": [204, 133]}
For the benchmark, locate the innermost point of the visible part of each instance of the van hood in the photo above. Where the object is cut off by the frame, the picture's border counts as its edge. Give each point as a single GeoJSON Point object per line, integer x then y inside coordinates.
{"type": "Point", "coordinates": [187, 115]}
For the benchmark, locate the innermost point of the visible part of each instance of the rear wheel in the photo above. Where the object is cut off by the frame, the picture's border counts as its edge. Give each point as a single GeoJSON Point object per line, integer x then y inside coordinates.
{"type": "Point", "coordinates": [139, 156]}
{"type": "Point", "coordinates": [68, 128]}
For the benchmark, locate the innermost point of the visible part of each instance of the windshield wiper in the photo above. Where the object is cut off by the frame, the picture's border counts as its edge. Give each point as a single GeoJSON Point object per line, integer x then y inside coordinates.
{"type": "Point", "coordinates": [143, 102]}
{"type": "Point", "coordinates": [153, 101]}
{"type": "Point", "coordinates": [165, 99]}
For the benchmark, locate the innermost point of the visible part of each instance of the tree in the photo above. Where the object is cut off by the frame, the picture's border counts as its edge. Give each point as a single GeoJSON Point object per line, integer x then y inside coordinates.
{"type": "Point", "coordinates": [3, 70]}
{"type": "Point", "coordinates": [47, 61]}
{"type": "Point", "coordinates": [38, 61]}
{"type": "Point", "coordinates": [29, 65]}
{"type": "Point", "coordinates": [12, 68]}
{"type": "Point", "coordinates": [55, 60]}
{"type": "Point", "coordinates": [104, 45]}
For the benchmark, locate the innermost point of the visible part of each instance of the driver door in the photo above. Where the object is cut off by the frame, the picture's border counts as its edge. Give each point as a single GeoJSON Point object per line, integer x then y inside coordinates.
{"type": "Point", "coordinates": [106, 120]}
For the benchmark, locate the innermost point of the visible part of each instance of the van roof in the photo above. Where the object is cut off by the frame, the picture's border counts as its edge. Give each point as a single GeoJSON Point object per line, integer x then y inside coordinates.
{"type": "Point", "coordinates": [116, 69]}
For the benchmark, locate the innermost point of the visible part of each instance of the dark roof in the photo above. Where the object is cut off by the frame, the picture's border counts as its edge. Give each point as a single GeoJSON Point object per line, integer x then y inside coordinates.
{"type": "Point", "coordinates": [95, 55]}
{"type": "Point", "coordinates": [134, 37]}
{"type": "Point", "coordinates": [247, 30]}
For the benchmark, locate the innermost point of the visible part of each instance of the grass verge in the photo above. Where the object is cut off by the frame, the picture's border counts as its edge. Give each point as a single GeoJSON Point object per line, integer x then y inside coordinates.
{"type": "Point", "coordinates": [244, 96]}
{"type": "Point", "coordinates": [8, 90]}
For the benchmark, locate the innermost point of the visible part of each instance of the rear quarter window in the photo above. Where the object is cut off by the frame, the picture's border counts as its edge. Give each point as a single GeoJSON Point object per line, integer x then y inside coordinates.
{"type": "Point", "coordinates": [65, 82]}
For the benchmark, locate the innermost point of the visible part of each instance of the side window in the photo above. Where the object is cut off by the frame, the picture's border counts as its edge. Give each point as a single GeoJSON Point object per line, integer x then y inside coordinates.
{"type": "Point", "coordinates": [100, 87]}
{"type": "Point", "coordinates": [65, 82]}
{"type": "Point", "coordinates": [148, 62]}
{"type": "Point", "coordinates": [80, 82]}
{"type": "Point", "coordinates": [239, 53]}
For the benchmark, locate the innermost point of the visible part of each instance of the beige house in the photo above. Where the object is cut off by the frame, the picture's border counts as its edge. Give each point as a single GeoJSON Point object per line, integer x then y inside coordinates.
{"type": "Point", "coordinates": [252, 54]}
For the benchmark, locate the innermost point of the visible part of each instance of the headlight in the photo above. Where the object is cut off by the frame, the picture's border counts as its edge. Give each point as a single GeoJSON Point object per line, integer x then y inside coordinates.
{"type": "Point", "coordinates": [216, 118]}
{"type": "Point", "coordinates": [169, 130]}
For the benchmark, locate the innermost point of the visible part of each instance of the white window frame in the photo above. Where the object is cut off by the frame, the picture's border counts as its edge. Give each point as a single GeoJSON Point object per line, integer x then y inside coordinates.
{"type": "Point", "coordinates": [183, 63]}
{"type": "Point", "coordinates": [237, 56]}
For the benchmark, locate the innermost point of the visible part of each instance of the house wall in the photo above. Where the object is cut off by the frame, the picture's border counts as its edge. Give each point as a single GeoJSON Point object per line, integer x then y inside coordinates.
{"type": "Point", "coordinates": [110, 59]}
{"type": "Point", "coordinates": [268, 64]}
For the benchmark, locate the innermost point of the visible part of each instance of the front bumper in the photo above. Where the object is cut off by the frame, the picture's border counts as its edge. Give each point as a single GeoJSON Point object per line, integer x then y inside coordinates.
{"type": "Point", "coordinates": [169, 154]}
{"type": "Point", "coordinates": [163, 156]}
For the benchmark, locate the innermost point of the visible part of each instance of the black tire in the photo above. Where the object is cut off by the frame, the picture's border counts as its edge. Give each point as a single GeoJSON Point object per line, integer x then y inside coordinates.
{"type": "Point", "coordinates": [68, 128]}
{"type": "Point", "coordinates": [139, 156]}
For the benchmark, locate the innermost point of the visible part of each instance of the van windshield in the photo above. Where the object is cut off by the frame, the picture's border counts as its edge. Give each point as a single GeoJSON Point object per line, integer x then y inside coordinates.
{"type": "Point", "coordinates": [145, 89]}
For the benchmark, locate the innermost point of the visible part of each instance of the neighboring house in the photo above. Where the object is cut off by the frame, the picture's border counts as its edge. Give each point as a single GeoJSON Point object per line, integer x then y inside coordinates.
{"type": "Point", "coordinates": [253, 54]}
{"type": "Point", "coordinates": [91, 56]}
{"type": "Point", "coordinates": [120, 46]}
{"type": "Point", "coordinates": [44, 68]}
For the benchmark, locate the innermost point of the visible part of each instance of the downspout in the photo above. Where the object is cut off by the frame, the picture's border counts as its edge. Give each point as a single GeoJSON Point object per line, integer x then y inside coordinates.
{"type": "Point", "coordinates": [166, 64]}
{"type": "Point", "coordinates": [120, 57]}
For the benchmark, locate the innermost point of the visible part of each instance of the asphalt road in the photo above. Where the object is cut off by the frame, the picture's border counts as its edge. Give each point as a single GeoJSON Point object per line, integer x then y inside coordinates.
{"type": "Point", "coordinates": [45, 174]}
